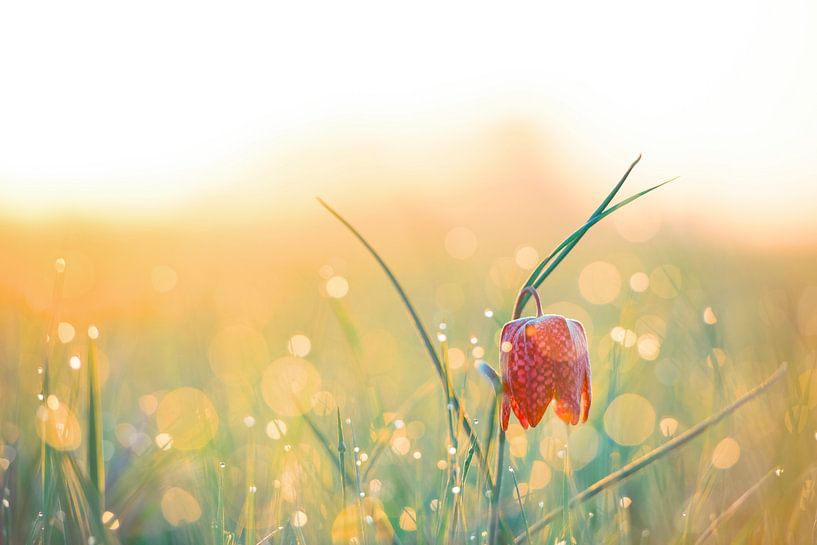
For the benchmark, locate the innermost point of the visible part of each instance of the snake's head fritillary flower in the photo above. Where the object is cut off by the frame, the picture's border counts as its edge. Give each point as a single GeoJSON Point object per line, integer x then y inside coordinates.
{"type": "Point", "coordinates": [543, 359]}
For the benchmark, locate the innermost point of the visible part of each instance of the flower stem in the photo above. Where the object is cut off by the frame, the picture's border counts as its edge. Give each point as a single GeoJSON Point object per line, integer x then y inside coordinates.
{"type": "Point", "coordinates": [518, 305]}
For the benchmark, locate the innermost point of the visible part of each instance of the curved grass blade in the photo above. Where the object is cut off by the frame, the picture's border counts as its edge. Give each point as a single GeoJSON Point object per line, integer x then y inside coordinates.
{"type": "Point", "coordinates": [655, 454]}
{"type": "Point", "coordinates": [424, 337]}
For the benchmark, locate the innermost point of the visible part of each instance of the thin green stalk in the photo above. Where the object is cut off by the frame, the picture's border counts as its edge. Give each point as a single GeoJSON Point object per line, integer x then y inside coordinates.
{"type": "Point", "coordinates": [358, 483]}
{"type": "Point", "coordinates": [96, 463]}
{"type": "Point", "coordinates": [341, 465]}
{"type": "Point", "coordinates": [655, 454]}
{"type": "Point", "coordinates": [519, 501]}
{"type": "Point", "coordinates": [218, 530]}
{"type": "Point", "coordinates": [493, 531]}
{"type": "Point", "coordinates": [251, 488]}
{"type": "Point", "coordinates": [732, 509]}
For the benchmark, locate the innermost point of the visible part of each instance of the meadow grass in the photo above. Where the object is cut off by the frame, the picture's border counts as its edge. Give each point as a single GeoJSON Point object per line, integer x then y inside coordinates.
{"type": "Point", "coordinates": [264, 455]}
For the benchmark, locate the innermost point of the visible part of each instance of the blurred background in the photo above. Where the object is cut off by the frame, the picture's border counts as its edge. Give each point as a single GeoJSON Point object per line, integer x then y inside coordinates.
{"type": "Point", "coordinates": [171, 155]}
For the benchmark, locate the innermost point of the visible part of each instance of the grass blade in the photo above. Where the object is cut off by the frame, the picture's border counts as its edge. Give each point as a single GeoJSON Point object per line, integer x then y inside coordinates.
{"type": "Point", "coordinates": [596, 212]}
{"type": "Point", "coordinates": [727, 514]}
{"type": "Point", "coordinates": [341, 465]}
{"type": "Point", "coordinates": [657, 453]}
{"type": "Point", "coordinates": [96, 463]}
{"type": "Point", "coordinates": [539, 274]}
{"type": "Point", "coordinates": [424, 337]}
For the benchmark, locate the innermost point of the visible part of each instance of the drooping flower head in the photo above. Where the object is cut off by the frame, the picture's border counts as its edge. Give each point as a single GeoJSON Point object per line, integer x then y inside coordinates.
{"type": "Point", "coordinates": [543, 359]}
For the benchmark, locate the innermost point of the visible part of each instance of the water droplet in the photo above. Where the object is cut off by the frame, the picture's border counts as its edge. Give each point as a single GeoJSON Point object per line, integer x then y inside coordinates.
{"type": "Point", "coordinates": [778, 471]}
{"type": "Point", "coordinates": [74, 362]}
{"type": "Point", "coordinates": [59, 265]}
{"type": "Point", "coordinates": [489, 313]}
{"type": "Point", "coordinates": [441, 337]}
{"type": "Point", "coordinates": [222, 465]}
{"type": "Point", "coordinates": [476, 421]}
{"type": "Point", "coordinates": [474, 340]}
{"type": "Point", "coordinates": [452, 450]}
{"type": "Point", "coordinates": [456, 489]}
{"type": "Point", "coordinates": [93, 332]}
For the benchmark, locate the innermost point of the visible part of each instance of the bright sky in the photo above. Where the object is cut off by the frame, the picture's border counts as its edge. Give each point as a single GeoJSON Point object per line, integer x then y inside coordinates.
{"type": "Point", "coordinates": [142, 105]}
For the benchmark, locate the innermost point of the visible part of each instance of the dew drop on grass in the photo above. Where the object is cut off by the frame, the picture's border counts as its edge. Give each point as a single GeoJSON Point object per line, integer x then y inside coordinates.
{"type": "Point", "coordinates": [488, 313]}
{"type": "Point", "coordinates": [74, 362]}
{"type": "Point", "coordinates": [456, 489]}
{"type": "Point", "coordinates": [59, 265]}
{"type": "Point", "coordinates": [93, 332]}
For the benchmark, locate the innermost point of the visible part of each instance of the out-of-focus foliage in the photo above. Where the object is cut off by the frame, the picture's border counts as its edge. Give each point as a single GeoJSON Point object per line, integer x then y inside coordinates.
{"type": "Point", "coordinates": [225, 354]}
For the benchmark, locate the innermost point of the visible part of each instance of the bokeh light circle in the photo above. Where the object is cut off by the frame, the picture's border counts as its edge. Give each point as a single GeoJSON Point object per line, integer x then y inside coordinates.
{"type": "Point", "coordinates": [289, 384]}
{"type": "Point", "coordinates": [179, 507]}
{"type": "Point", "coordinates": [629, 419]}
{"type": "Point", "coordinates": [600, 282]}
{"type": "Point", "coordinates": [188, 416]}
{"type": "Point", "coordinates": [726, 453]}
